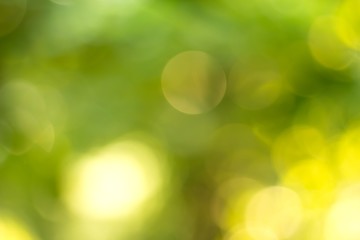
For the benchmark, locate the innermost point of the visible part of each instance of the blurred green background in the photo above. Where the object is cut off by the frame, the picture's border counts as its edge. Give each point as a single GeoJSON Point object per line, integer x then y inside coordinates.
{"type": "Point", "coordinates": [178, 119]}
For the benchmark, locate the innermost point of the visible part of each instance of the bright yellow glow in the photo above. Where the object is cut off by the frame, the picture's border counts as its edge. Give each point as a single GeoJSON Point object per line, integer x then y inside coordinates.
{"type": "Point", "coordinates": [349, 154]}
{"type": "Point", "coordinates": [113, 182]}
{"type": "Point", "coordinates": [326, 46]}
{"type": "Point", "coordinates": [11, 229]}
{"type": "Point", "coordinates": [273, 213]}
{"type": "Point", "coordinates": [254, 87]}
{"type": "Point", "coordinates": [314, 180]}
{"type": "Point", "coordinates": [193, 82]}
{"type": "Point", "coordinates": [297, 144]}
{"type": "Point", "coordinates": [11, 15]}
{"type": "Point", "coordinates": [343, 220]}
{"type": "Point", "coordinates": [348, 23]}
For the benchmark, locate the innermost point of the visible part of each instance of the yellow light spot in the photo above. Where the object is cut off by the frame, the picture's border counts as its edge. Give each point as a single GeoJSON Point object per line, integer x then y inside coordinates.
{"type": "Point", "coordinates": [348, 154]}
{"type": "Point", "coordinates": [11, 15]}
{"type": "Point", "coordinates": [343, 220]}
{"type": "Point", "coordinates": [242, 234]}
{"type": "Point", "coordinates": [326, 46]}
{"type": "Point", "coordinates": [348, 23]}
{"type": "Point", "coordinates": [256, 86]}
{"type": "Point", "coordinates": [316, 186]}
{"type": "Point", "coordinates": [297, 144]}
{"type": "Point", "coordinates": [193, 82]}
{"type": "Point", "coordinates": [112, 183]}
{"type": "Point", "coordinates": [273, 213]}
{"type": "Point", "coordinates": [10, 229]}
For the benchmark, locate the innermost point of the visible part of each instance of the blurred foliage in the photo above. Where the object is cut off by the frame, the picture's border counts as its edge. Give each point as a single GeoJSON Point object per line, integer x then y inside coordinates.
{"type": "Point", "coordinates": [154, 119]}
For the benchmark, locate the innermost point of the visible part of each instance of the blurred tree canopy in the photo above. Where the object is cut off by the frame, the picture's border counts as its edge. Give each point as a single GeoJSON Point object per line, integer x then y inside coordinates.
{"type": "Point", "coordinates": [174, 119]}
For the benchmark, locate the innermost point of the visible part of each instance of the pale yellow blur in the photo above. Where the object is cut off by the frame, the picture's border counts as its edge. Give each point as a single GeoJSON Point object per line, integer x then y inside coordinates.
{"type": "Point", "coordinates": [11, 229]}
{"type": "Point", "coordinates": [274, 213]}
{"type": "Point", "coordinates": [343, 219]}
{"type": "Point", "coordinates": [241, 234]}
{"type": "Point", "coordinates": [296, 144]}
{"type": "Point", "coordinates": [193, 82]}
{"type": "Point", "coordinates": [348, 23]}
{"type": "Point", "coordinates": [326, 46]}
{"type": "Point", "coordinates": [113, 182]}
{"type": "Point", "coordinates": [256, 86]}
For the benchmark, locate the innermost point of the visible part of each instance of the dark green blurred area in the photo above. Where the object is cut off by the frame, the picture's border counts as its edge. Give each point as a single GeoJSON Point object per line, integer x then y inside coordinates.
{"type": "Point", "coordinates": [79, 75]}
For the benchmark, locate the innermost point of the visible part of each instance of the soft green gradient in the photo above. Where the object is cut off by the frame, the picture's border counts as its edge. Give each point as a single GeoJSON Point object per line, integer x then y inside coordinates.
{"type": "Point", "coordinates": [179, 120]}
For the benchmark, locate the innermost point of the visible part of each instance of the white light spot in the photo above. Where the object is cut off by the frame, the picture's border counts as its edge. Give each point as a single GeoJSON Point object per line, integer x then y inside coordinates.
{"type": "Point", "coordinates": [343, 220]}
{"type": "Point", "coordinates": [113, 182]}
{"type": "Point", "coordinates": [273, 213]}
